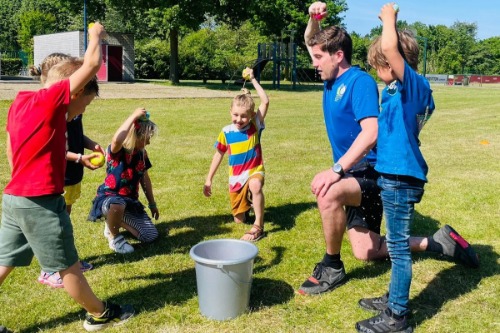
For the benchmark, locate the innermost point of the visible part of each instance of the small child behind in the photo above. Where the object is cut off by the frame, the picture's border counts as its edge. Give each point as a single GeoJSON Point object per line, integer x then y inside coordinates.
{"type": "Point", "coordinates": [241, 140]}
{"type": "Point", "coordinates": [117, 199]}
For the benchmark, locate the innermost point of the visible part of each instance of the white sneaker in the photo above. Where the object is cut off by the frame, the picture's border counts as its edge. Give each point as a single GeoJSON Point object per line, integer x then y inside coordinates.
{"type": "Point", "coordinates": [120, 245]}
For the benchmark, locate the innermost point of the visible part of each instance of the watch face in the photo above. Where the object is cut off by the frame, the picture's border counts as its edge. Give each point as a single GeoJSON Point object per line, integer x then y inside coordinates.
{"type": "Point", "coordinates": [337, 168]}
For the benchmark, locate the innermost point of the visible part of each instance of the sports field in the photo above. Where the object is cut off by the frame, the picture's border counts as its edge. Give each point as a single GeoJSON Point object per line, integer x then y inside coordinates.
{"type": "Point", "coordinates": [461, 143]}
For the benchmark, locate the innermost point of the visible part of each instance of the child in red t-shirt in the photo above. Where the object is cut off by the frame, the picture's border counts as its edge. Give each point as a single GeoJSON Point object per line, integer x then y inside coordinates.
{"type": "Point", "coordinates": [34, 216]}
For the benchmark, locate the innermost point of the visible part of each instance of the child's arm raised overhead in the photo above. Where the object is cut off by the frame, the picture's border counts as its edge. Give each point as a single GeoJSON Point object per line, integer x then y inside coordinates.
{"type": "Point", "coordinates": [91, 61]}
{"type": "Point", "coordinates": [121, 133]}
{"type": "Point", "coordinates": [264, 100]}
{"type": "Point", "coordinates": [389, 40]}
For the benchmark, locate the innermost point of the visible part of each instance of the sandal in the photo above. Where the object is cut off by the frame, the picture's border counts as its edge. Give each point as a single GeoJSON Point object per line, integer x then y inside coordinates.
{"type": "Point", "coordinates": [51, 279]}
{"type": "Point", "coordinates": [256, 235]}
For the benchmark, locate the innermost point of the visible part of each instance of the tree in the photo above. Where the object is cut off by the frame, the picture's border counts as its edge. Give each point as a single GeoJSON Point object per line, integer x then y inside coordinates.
{"type": "Point", "coordinates": [168, 18]}
{"type": "Point", "coordinates": [8, 25]}
{"type": "Point", "coordinates": [485, 57]}
{"type": "Point", "coordinates": [34, 23]}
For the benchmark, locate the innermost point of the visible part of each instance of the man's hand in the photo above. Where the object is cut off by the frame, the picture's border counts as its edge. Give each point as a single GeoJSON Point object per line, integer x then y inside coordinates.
{"type": "Point", "coordinates": [323, 181]}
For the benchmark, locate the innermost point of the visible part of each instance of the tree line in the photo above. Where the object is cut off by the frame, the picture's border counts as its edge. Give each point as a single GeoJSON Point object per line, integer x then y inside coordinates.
{"type": "Point", "coordinates": [214, 39]}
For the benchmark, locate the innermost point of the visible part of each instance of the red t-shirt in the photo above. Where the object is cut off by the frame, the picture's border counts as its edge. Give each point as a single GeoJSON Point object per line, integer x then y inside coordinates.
{"type": "Point", "coordinates": [36, 124]}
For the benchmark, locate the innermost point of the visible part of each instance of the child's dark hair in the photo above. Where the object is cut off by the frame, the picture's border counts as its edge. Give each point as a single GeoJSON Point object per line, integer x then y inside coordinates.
{"type": "Point", "coordinates": [333, 39]}
{"type": "Point", "coordinates": [65, 69]}
{"type": "Point", "coordinates": [407, 46]}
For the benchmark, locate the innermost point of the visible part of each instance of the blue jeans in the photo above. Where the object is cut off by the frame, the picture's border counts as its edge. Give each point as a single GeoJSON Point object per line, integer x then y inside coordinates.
{"type": "Point", "coordinates": [399, 196]}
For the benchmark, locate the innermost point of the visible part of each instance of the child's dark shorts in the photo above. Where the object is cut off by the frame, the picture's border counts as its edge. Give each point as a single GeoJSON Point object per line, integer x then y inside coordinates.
{"type": "Point", "coordinates": [369, 214]}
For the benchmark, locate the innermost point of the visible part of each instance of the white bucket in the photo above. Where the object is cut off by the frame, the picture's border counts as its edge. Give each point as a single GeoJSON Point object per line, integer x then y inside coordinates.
{"type": "Point", "coordinates": [223, 276]}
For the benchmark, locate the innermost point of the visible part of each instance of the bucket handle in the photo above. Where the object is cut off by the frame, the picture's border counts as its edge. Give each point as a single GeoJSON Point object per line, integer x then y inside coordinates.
{"type": "Point", "coordinates": [221, 267]}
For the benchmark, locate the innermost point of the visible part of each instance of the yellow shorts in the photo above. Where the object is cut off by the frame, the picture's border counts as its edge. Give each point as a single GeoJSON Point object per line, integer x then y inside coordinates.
{"type": "Point", "coordinates": [72, 193]}
{"type": "Point", "coordinates": [241, 201]}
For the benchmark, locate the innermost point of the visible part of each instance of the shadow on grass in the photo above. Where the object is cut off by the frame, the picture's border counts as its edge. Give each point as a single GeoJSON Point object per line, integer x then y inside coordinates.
{"type": "Point", "coordinates": [179, 236]}
{"type": "Point", "coordinates": [452, 283]}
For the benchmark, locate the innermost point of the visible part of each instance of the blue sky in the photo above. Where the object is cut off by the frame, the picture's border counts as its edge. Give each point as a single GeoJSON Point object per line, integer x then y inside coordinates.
{"type": "Point", "coordinates": [362, 15]}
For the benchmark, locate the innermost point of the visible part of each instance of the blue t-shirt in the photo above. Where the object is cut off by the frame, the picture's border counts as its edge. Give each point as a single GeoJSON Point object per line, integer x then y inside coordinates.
{"type": "Point", "coordinates": [347, 100]}
{"type": "Point", "coordinates": [405, 108]}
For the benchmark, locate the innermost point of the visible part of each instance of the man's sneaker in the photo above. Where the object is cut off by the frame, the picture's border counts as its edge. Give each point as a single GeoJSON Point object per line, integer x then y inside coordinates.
{"type": "Point", "coordinates": [456, 246]}
{"type": "Point", "coordinates": [51, 279]}
{"type": "Point", "coordinates": [385, 322]}
{"type": "Point", "coordinates": [113, 315]}
{"type": "Point", "coordinates": [323, 279]}
{"type": "Point", "coordinates": [377, 304]}
{"type": "Point", "coordinates": [120, 245]}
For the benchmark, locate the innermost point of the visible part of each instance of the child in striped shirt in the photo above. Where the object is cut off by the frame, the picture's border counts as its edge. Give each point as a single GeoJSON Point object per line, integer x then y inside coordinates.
{"type": "Point", "coordinates": [241, 140]}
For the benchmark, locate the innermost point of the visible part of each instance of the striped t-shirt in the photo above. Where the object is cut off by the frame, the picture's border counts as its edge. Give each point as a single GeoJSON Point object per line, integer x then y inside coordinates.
{"type": "Point", "coordinates": [244, 151]}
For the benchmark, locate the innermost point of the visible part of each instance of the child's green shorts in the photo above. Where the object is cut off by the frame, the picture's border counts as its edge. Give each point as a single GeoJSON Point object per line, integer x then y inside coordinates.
{"type": "Point", "coordinates": [39, 226]}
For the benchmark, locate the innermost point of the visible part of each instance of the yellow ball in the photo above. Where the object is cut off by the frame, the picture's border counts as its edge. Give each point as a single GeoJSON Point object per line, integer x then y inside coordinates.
{"type": "Point", "coordinates": [98, 160]}
{"type": "Point", "coordinates": [245, 75]}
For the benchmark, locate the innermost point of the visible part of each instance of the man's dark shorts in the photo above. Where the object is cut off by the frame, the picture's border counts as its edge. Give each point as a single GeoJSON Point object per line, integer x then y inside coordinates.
{"type": "Point", "coordinates": [369, 214]}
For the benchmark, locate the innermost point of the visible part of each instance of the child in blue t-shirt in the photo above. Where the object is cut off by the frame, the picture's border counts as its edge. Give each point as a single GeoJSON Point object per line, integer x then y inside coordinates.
{"type": "Point", "coordinates": [406, 105]}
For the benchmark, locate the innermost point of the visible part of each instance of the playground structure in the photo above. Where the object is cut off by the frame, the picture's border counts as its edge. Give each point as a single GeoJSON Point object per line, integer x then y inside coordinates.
{"type": "Point", "coordinates": [283, 57]}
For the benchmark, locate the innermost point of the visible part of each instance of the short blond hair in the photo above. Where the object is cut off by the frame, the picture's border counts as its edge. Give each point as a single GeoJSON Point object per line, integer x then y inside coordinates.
{"type": "Point", "coordinates": [407, 46]}
{"type": "Point", "coordinates": [47, 63]}
{"type": "Point", "coordinates": [65, 69]}
{"type": "Point", "coordinates": [244, 100]}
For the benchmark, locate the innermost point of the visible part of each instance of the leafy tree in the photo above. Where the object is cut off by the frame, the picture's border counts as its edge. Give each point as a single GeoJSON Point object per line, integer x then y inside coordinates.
{"type": "Point", "coordinates": [8, 25]}
{"type": "Point", "coordinates": [152, 57]}
{"type": "Point", "coordinates": [485, 57]}
{"type": "Point", "coordinates": [34, 23]}
{"type": "Point", "coordinates": [168, 18]}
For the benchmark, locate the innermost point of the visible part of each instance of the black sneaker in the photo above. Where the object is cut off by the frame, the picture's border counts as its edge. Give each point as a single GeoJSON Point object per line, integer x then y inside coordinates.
{"type": "Point", "coordinates": [456, 246]}
{"type": "Point", "coordinates": [113, 315]}
{"type": "Point", "coordinates": [377, 304]}
{"type": "Point", "coordinates": [323, 279]}
{"type": "Point", "coordinates": [384, 323]}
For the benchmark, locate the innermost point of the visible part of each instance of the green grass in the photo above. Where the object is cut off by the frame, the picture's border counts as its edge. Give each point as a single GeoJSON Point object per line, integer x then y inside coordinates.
{"type": "Point", "coordinates": [462, 147]}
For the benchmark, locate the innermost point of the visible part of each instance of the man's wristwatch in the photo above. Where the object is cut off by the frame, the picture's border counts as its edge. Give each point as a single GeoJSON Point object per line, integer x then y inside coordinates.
{"type": "Point", "coordinates": [337, 168]}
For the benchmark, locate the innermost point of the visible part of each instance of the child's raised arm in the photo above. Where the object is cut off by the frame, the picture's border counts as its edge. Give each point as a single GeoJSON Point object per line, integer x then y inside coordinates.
{"type": "Point", "coordinates": [91, 61]}
{"type": "Point", "coordinates": [389, 40]}
{"type": "Point", "coordinates": [121, 133]}
{"type": "Point", "coordinates": [264, 100]}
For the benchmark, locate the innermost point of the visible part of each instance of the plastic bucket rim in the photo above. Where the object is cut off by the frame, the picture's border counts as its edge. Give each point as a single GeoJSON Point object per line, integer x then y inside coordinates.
{"type": "Point", "coordinates": [218, 263]}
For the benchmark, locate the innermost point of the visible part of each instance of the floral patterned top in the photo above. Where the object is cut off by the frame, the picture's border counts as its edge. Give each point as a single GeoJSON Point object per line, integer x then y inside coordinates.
{"type": "Point", "coordinates": [124, 170]}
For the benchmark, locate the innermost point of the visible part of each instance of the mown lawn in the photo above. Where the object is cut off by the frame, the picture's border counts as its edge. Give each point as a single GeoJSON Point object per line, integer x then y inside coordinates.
{"type": "Point", "coordinates": [462, 146]}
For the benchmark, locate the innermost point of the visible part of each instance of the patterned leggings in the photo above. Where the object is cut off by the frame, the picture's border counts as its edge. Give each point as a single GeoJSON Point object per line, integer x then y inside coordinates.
{"type": "Point", "coordinates": [135, 216]}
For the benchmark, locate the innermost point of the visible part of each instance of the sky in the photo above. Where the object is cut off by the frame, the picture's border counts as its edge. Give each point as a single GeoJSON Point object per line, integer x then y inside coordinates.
{"type": "Point", "coordinates": [362, 15]}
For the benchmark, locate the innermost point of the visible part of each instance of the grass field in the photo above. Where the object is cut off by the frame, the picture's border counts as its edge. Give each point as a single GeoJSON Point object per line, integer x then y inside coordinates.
{"type": "Point", "coordinates": [462, 147]}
